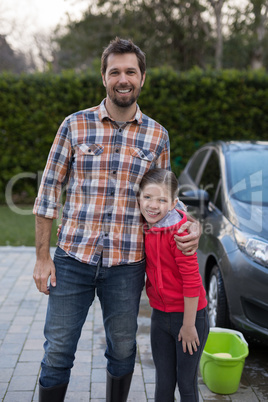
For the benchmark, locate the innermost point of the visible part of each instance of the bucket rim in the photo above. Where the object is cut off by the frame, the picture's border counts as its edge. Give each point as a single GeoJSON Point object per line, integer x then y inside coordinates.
{"type": "Point", "coordinates": [230, 331]}
{"type": "Point", "coordinates": [230, 359]}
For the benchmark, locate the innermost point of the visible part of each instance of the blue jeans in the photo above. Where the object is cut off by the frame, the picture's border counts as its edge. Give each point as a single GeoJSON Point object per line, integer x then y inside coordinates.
{"type": "Point", "coordinates": [173, 366]}
{"type": "Point", "coordinates": [119, 290]}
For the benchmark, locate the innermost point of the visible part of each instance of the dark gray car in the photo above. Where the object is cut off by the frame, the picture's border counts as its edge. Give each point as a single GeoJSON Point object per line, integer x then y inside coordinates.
{"type": "Point", "coordinates": [225, 185]}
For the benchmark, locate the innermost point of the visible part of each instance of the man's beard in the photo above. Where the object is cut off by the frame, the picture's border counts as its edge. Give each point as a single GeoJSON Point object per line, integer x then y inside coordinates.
{"type": "Point", "coordinates": [124, 102]}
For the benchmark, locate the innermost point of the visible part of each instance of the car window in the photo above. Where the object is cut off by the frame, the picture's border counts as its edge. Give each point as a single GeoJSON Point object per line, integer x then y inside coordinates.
{"type": "Point", "coordinates": [196, 163]}
{"type": "Point", "coordinates": [210, 179]}
{"type": "Point", "coordinates": [248, 175]}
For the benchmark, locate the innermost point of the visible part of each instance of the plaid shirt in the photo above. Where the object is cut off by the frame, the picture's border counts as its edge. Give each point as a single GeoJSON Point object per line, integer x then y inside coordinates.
{"type": "Point", "coordinates": [102, 165]}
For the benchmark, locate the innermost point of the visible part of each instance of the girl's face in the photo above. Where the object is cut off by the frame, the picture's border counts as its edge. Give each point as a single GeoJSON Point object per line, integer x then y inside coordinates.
{"type": "Point", "coordinates": [155, 202]}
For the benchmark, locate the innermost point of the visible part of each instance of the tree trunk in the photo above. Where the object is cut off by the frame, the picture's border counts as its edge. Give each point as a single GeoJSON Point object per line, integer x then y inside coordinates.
{"type": "Point", "coordinates": [261, 15]}
{"type": "Point", "coordinates": [217, 7]}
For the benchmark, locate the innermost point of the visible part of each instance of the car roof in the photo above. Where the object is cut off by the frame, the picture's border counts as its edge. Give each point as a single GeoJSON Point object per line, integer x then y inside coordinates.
{"type": "Point", "coordinates": [225, 146]}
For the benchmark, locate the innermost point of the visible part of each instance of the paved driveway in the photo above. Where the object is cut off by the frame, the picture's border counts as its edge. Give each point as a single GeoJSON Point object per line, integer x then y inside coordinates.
{"type": "Point", "coordinates": [22, 315]}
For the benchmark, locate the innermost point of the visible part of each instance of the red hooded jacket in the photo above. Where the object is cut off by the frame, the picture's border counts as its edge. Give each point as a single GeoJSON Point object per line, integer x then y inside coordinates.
{"type": "Point", "coordinates": [171, 275]}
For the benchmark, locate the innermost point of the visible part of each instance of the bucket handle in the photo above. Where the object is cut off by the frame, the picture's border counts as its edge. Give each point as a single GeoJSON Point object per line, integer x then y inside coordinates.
{"type": "Point", "coordinates": [232, 331]}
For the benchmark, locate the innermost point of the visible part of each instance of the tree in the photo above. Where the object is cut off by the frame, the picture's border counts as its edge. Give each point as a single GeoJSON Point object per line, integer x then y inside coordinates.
{"type": "Point", "coordinates": [217, 7]}
{"type": "Point", "coordinates": [11, 61]}
{"type": "Point", "coordinates": [45, 52]}
{"type": "Point", "coordinates": [170, 32]}
{"type": "Point", "coordinates": [246, 43]}
{"type": "Point", "coordinates": [80, 42]}
{"type": "Point", "coordinates": [178, 33]}
{"type": "Point", "coordinates": [260, 11]}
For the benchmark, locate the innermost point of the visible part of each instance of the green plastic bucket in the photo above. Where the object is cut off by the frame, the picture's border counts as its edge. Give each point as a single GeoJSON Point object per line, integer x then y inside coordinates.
{"type": "Point", "coordinates": [222, 373]}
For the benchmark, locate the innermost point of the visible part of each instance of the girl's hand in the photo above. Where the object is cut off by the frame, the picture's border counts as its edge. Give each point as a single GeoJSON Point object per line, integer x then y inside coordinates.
{"type": "Point", "coordinates": [59, 229]}
{"type": "Point", "coordinates": [189, 338]}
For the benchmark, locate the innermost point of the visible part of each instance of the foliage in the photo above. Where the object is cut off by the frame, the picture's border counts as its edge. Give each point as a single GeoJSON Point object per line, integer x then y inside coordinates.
{"type": "Point", "coordinates": [195, 107]}
{"type": "Point", "coordinates": [31, 109]}
{"type": "Point", "coordinates": [170, 33]}
{"type": "Point", "coordinates": [182, 33]}
{"type": "Point", "coordinates": [198, 107]}
{"type": "Point", "coordinates": [177, 33]}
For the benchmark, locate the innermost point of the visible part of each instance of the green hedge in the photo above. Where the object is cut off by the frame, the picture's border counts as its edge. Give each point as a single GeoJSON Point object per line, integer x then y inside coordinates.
{"type": "Point", "coordinates": [196, 107]}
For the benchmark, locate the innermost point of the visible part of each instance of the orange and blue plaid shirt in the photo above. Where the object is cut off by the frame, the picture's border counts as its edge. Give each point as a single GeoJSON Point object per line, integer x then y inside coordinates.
{"type": "Point", "coordinates": [101, 164]}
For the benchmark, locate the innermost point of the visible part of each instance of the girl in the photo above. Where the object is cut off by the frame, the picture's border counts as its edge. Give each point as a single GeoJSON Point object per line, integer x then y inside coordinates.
{"type": "Point", "coordinates": [179, 322]}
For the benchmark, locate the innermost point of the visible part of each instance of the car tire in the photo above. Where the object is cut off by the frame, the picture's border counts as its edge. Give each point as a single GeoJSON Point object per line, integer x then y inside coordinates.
{"type": "Point", "coordinates": [217, 302]}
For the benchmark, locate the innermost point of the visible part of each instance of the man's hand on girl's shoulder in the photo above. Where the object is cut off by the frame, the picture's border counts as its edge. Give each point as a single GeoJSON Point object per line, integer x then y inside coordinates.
{"type": "Point", "coordinates": [188, 244]}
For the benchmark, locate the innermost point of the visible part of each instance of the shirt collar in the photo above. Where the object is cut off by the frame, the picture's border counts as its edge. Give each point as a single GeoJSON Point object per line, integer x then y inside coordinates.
{"type": "Point", "coordinates": [103, 114]}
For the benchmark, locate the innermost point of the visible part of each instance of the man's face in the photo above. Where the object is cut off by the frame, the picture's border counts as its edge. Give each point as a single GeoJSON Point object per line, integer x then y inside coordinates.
{"type": "Point", "coordinates": [123, 79]}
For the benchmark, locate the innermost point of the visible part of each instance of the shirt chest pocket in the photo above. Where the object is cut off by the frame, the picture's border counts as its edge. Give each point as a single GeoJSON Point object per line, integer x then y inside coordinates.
{"type": "Point", "coordinates": [141, 161]}
{"type": "Point", "coordinates": [87, 157]}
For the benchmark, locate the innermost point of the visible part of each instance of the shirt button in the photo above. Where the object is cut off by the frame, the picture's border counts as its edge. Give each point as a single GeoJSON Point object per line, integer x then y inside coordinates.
{"type": "Point", "coordinates": [117, 150]}
{"type": "Point", "coordinates": [112, 192]}
{"type": "Point", "coordinates": [106, 234]}
{"type": "Point", "coordinates": [120, 129]}
{"type": "Point", "coordinates": [89, 150]}
{"type": "Point", "coordinates": [114, 172]}
{"type": "Point", "coordinates": [142, 156]}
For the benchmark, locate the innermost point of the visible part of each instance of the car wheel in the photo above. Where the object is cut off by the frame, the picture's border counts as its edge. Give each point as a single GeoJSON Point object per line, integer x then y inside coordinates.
{"type": "Point", "coordinates": [217, 303]}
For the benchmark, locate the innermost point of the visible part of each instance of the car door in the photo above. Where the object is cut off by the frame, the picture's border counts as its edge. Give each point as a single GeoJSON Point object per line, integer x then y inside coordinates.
{"type": "Point", "coordinates": [190, 177]}
{"type": "Point", "coordinates": [211, 217]}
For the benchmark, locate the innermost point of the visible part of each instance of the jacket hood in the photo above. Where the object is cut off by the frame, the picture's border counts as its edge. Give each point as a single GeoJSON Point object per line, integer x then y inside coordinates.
{"type": "Point", "coordinates": [174, 219]}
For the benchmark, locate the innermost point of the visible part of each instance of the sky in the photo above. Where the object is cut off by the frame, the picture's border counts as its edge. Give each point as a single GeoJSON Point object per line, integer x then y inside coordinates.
{"type": "Point", "coordinates": [20, 19]}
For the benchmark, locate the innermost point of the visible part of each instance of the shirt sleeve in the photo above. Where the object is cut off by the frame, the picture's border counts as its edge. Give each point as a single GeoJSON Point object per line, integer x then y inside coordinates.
{"type": "Point", "coordinates": [163, 161]}
{"type": "Point", "coordinates": [55, 175]}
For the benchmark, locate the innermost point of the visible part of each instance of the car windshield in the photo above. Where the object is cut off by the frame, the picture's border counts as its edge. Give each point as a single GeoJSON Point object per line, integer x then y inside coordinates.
{"type": "Point", "coordinates": [247, 174]}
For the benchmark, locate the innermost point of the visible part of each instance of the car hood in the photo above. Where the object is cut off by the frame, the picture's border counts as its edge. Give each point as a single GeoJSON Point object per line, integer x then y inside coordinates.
{"type": "Point", "coordinates": [249, 218]}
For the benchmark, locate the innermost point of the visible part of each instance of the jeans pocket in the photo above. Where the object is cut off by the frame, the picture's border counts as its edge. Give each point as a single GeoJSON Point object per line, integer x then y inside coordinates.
{"type": "Point", "coordinates": [60, 253]}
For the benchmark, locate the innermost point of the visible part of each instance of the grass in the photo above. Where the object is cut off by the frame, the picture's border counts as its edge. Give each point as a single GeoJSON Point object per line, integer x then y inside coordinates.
{"type": "Point", "coordinates": [18, 229]}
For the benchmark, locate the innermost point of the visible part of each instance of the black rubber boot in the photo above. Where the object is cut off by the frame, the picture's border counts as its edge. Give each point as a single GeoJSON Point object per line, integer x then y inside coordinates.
{"type": "Point", "coordinates": [117, 388]}
{"type": "Point", "coordinates": [52, 394]}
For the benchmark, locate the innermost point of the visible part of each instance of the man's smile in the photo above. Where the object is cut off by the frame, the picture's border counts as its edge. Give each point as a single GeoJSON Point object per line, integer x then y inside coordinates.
{"type": "Point", "coordinates": [124, 91]}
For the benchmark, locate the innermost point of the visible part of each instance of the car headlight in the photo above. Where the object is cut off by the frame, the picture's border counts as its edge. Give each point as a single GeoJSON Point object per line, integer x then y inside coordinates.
{"type": "Point", "coordinates": [254, 248]}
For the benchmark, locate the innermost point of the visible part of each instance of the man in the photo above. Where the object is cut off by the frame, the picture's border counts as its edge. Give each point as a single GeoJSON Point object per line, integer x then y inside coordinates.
{"type": "Point", "coordinates": [101, 154]}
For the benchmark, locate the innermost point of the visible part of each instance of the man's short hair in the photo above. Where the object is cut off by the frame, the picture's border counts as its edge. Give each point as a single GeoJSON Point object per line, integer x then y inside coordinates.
{"type": "Point", "coordinates": [121, 46]}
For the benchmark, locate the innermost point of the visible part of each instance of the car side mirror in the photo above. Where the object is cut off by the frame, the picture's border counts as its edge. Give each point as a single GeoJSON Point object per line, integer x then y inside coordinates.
{"type": "Point", "coordinates": [195, 198]}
